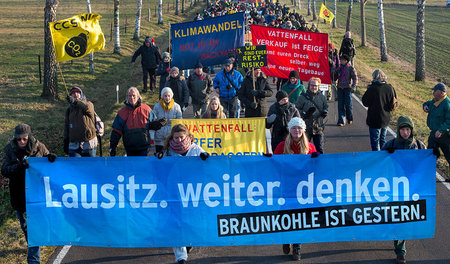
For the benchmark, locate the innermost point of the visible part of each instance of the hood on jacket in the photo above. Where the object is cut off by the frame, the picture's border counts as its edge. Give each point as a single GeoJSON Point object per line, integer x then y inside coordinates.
{"type": "Point", "coordinates": [404, 121]}
{"type": "Point", "coordinates": [76, 88]}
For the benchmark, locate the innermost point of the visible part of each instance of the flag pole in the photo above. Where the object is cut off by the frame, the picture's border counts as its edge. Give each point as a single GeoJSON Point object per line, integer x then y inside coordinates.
{"type": "Point", "coordinates": [62, 76]}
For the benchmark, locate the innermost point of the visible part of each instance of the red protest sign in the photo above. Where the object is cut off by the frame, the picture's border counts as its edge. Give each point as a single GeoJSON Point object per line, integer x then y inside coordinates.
{"type": "Point", "coordinates": [288, 50]}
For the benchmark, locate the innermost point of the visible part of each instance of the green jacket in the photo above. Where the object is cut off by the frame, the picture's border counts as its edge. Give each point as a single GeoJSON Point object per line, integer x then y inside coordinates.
{"type": "Point", "coordinates": [438, 116]}
{"type": "Point", "coordinates": [288, 88]}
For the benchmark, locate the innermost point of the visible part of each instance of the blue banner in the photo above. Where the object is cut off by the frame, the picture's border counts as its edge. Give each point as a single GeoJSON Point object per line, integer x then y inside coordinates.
{"type": "Point", "coordinates": [209, 41]}
{"type": "Point", "coordinates": [238, 200]}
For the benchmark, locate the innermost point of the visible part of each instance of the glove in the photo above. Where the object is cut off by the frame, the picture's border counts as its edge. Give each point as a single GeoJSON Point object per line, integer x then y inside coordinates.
{"type": "Point", "coordinates": [204, 155]}
{"type": "Point", "coordinates": [51, 157]}
{"type": "Point", "coordinates": [66, 146]}
{"type": "Point", "coordinates": [310, 112]}
{"type": "Point", "coordinates": [168, 69]}
{"type": "Point", "coordinates": [270, 119]}
{"type": "Point", "coordinates": [253, 105]}
{"type": "Point", "coordinates": [159, 155]}
{"type": "Point", "coordinates": [324, 114]}
{"type": "Point", "coordinates": [353, 89]}
{"type": "Point", "coordinates": [183, 108]}
{"type": "Point", "coordinates": [315, 154]}
{"type": "Point", "coordinates": [24, 164]}
{"type": "Point", "coordinates": [390, 150]}
{"type": "Point", "coordinates": [257, 93]}
{"type": "Point", "coordinates": [436, 152]}
{"type": "Point", "coordinates": [162, 121]}
{"type": "Point", "coordinates": [269, 155]}
{"type": "Point", "coordinates": [71, 100]}
{"type": "Point", "coordinates": [112, 152]}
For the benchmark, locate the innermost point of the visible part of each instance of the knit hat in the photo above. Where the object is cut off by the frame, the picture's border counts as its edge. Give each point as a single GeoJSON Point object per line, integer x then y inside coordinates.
{"type": "Point", "coordinates": [22, 130]}
{"type": "Point", "coordinates": [280, 95]}
{"type": "Point", "coordinates": [76, 89]}
{"type": "Point", "coordinates": [175, 69]}
{"type": "Point", "coordinates": [166, 90]}
{"type": "Point", "coordinates": [198, 65]}
{"type": "Point", "coordinates": [345, 57]}
{"type": "Point", "coordinates": [147, 39]}
{"type": "Point", "coordinates": [294, 74]}
{"type": "Point", "coordinates": [296, 121]}
{"type": "Point", "coordinates": [404, 121]}
{"type": "Point", "coordinates": [440, 86]}
{"type": "Point", "coordinates": [165, 55]}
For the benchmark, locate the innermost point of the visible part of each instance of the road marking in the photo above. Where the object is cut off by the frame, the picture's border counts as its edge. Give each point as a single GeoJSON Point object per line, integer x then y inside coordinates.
{"type": "Point", "coordinates": [61, 255]}
{"type": "Point", "coordinates": [438, 176]}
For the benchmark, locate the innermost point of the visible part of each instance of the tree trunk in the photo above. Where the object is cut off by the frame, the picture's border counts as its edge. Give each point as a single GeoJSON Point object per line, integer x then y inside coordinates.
{"type": "Point", "coordinates": [299, 4]}
{"type": "Point", "coordinates": [335, 14]}
{"type": "Point", "coordinates": [362, 5]}
{"type": "Point", "coordinates": [160, 9]}
{"type": "Point", "coordinates": [420, 41]}
{"type": "Point", "coordinates": [309, 7]}
{"type": "Point", "coordinates": [91, 55]}
{"type": "Point", "coordinates": [137, 26]}
{"type": "Point", "coordinates": [349, 15]}
{"type": "Point", "coordinates": [314, 10]}
{"type": "Point", "coordinates": [50, 85]}
{"type": "Point", "coordinates": [182, 6]}
{"type": "Point", "coordinates": [116, 27]}
{"type": "Point", "coordinates": [192, 3]}
{"type": "Point", "coordinates": [177, 7]}
{"type": "Point", "coordinates": [383, 49]}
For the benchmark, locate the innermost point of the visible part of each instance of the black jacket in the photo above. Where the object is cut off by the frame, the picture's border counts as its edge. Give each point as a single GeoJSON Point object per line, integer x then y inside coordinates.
{"type": "Point", "coordinates": [180, 90]}
{"type": "Point", "coordinates": [247, 96]}
{"type": "Point", "coordinates": [379, 98]}
{"type": "Point", "coordinates": [11, 169]}
{"type": "Point", "coordinates": [284, 115]}
{"type": "Point", "coordinates": [150, 56]}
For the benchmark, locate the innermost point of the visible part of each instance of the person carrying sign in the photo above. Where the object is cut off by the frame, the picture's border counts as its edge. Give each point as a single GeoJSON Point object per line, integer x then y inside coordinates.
{"type": "Point", "coordinates": [200, 87]}
{"type": "Point", "coordinates": [227, 84]}
{"type": "Point", "coordinates": [253, 93]}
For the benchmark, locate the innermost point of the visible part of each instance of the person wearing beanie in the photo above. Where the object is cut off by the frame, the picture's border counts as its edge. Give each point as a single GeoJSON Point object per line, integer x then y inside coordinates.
{"type": "Point", "coordinates": [14, 165]}
{"type": "Point", "coordinates": [200, 87]}
{"type": "Point", "coordinates": [278, 117]}
{"type": "Point", "coordinates": [348, 47]}
{"type": "Point", "coordinates": [405, 140]}
{"type": "Point", "coordinates": [178, 84]}
{"type": "Point", "coordinates": [313, 108]}
{"type": "Point", "coordinates": [150, 58]}
{"type": "Point", "coordinates": [163, 71]}
{"type": "Point", "coordinates": [438, 120]}
{"type": "Point", "coordinates": [254, 96]}
{"type": "Point", "coordinates": [132, 123]}
{"type": "Point", "coordinates": [346, 78]}
{"type": "Point", "coordinates": [379, 98]}
{"type": "Point", "coordinates": [294, 87]}
{"type": "Point", "coordinates": [166, 108]}
{"type": "Point", "coordinates": [80, 134]}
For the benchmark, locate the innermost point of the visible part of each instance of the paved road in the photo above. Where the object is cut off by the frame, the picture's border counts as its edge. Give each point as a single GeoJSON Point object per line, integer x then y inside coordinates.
{"type": "Point", "coordinates": [351, 138]}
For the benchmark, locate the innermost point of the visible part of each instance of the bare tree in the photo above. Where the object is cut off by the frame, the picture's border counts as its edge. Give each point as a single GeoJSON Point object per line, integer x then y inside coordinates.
{"type": "Point", "coordinates": [177, 7]}
{"type": "Point", "coordinates": [308, 7]}
{"type": "Point", "coordinates": [50, 86]}
{"type": "Point", "coordinates": [91, 55]}
{"type": "Point", "coordinates": [383, 49]}
{"type": "Point", "coordinates": [137, 26]}
{"type": "Point", "coordinates": [160, 9]}
{"type": "Point", "coordinates": [335, 14]}
{"type": "Point", "coordinates": [116, 27]}
{"type": "Point", "coordinates": [314, 10]}
{"type": "Point", "coordinates": [420, 41]}
{"type": "Point", "coordinates": [192, 3]}
{"type": "Point", "coordinates": [182, 6]}
{"type": "Point", "coordinates": [299, 4]}
{"type": "Point", "coordinates": [349, 15]}
{"type": "Point", "coordinates": [362, 4]}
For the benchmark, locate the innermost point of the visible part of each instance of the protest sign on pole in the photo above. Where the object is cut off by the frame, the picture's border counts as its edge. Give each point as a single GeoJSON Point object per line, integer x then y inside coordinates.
{"type": "Point", "coordinates": [289, 50]}
{"type": "Point", "coordinates": [252, 56]}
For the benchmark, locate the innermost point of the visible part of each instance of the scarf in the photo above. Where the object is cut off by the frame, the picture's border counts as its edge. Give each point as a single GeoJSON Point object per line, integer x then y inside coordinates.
{"type": "Point", "coordinates": [294, 85]}
{"type": "Point", "coordinates": [166, 106]}
{"type": "Point", "coordinates": [406, 142]}
{"type": "Point", "coordinates": [180, 147]}
{"type": "Point", "coordinates": [437, 103]}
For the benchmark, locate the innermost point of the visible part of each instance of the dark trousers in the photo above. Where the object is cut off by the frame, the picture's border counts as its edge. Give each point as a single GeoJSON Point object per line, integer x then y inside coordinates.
{"type": "Point", "coordinates": [34, 253]}
{"type": "Point", "coordinates": [443, 143]}
{"type": "Point", "coordinates": [146, 72]}
{"type": "Point", "coordinates": [317, 140]}
{"type": "Point", "coordinates": [229, 106]}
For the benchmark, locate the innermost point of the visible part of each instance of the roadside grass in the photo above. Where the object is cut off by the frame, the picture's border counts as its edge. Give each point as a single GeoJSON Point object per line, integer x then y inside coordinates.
{"type": "Point", "coordinates": [22, 42]}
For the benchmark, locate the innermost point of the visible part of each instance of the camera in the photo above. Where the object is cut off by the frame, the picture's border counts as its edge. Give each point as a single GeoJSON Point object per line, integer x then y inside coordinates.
{"type": "Point", "coordinates": [229, 86]}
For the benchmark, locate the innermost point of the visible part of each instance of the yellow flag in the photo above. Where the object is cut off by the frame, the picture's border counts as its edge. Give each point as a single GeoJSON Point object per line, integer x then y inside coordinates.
{"type": "Point", "coordinates": [326, 14]}
{"type": "Point", "coordinates": [77, 36]}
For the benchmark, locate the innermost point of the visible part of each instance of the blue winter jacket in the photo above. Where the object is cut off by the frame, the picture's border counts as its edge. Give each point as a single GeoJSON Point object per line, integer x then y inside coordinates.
{"type": "Point", "coordinates": [221, 82]}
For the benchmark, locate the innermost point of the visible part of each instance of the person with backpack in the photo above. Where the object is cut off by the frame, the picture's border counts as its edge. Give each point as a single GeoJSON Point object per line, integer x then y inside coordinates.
{"type": "Point", "coordinates": [348, 47]}
{"type": "Point", "coordinates": [294, 87]}
{"type": "Point", "coordinates": [227, 84]}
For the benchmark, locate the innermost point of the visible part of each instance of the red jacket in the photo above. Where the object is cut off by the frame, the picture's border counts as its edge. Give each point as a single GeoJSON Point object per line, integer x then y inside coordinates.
{"type": "Point", "coordinates": [280, 149]}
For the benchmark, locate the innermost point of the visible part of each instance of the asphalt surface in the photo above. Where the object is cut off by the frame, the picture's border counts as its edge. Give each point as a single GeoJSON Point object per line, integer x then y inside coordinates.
{"type": "Point", "coordinates": [350, 138]}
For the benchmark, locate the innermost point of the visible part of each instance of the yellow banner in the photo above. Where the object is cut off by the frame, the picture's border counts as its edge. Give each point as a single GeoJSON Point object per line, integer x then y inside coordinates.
{"type": "Point", "coordinates": [77, 36]}
{"type": "Point", "coordinates": [326, 14]}
{"type": "Point", "coordinates": [236, 136]}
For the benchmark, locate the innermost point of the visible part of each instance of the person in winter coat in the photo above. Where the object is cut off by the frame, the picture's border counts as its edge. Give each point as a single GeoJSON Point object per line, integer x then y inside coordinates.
{"type": "Point", "coordinates": [313, 108]}
{"type": "Point", "coordinates": [379, 99]}
{"type": "Point", "coordinates": [347, 80]}
{"type": "Point", "coordinates": [80, 138]}
{"type": "Point", "coordinates": [294, 87]}
{"type": "Point", "coordinates": [168, 109]}
{"type": "Point", "coordinates": [150, 58]}
{"type": "Point", "coordinates": [180, 142]}
{"type": "Point", "coordinates": [333, 63]}
{"type": "Point", "coordinates": [254, 97]}
{"type": "Point", "coordinates": [163, 71]}
{"type": "Point", "coordinates": [214, 109]}
{"type": "Point", "coordinates": [177, 83]}
{"type": "Point", "coordinates": [132, 123]}
{"type": "Point", "coordinates": [227, 84]}
{"type": "Point", "coordinates": [14, 164]}
{"type": "Point", "coordinates": [347, 47]}
{"type": "Point", "coordinates": [438, 120]}
{"type": "Point", "coordinates": [405, 140]}
{"type": "Point", "coordinates": [200, 87]}
{"type": "Point", "coordinates": [278, 117]}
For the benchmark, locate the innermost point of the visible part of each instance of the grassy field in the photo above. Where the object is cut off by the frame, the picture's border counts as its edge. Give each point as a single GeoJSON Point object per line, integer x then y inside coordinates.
{"type": "Point", "coordinates": [400, 25]}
